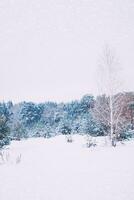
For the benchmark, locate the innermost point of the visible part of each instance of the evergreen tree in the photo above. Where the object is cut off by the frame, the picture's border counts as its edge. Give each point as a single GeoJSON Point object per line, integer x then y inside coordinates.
{"type": "Point", "coordinates": [4, 132]}
{"type": "Point", "coordinates": [4, 125]}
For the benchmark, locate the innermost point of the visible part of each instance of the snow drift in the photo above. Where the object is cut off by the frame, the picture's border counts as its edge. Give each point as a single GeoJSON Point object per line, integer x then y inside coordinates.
{"type": "Point", "coordinates": [52, 169]}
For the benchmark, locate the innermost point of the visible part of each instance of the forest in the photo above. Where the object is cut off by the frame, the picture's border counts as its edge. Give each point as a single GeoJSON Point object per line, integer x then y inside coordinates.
{"type": "Point", "coordinates": [90, 115]}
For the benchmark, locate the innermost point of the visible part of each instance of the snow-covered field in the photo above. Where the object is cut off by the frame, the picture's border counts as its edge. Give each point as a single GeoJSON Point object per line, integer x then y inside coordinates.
{"type": "Point", "coordinates": [52, 169]}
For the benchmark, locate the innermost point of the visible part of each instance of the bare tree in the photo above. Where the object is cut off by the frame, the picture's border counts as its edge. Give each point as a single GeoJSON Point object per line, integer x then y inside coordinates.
{"type": "Point", "coordinates": [109, 105]}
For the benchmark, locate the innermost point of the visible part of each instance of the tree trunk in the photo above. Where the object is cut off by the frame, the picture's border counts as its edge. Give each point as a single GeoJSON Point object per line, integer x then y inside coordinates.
{"type": "Point", "coordinates": [111, 119]}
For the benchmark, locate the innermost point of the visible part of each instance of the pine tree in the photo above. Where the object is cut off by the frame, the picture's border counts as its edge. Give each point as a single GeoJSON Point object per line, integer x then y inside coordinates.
{"type": "Point", "coordinates": [4, 132]}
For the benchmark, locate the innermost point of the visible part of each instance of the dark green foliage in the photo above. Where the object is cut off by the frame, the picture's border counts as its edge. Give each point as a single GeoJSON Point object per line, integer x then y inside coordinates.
{"type": "Point", "coordinates": [4, 132]}
{"type": "Point", "coordinates": [19, 131]}
{"type": "Point", "coordinates": [5, 111]}
{"type": "Point", "coordinates": [65, 130]}
{"type": "Point", "coordinates": [28, 119]}
{"type": "Point", "coordinates": [87, 102]}
{"type": "Point", "coordinates": [126, 135]}
{"type": "Point", "coordinates": [5, 115]}
{"type": "Point", "coordinates": [30, 113]}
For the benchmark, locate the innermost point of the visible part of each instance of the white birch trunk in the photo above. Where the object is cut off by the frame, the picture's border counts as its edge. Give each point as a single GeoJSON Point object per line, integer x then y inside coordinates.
{"type": "Point", "coordinates": [111, 118]}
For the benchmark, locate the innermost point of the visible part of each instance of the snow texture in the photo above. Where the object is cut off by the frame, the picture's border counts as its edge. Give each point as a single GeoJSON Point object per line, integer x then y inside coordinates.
{"type": "Point", "coordinates": [52, 169]}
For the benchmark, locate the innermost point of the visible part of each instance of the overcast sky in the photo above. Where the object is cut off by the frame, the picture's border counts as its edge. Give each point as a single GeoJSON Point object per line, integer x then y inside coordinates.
{"type": "Point", "coordinates": [49, 49]}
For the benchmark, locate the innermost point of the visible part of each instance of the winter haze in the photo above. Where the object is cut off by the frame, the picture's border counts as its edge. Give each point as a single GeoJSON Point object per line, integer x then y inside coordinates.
{"type": "Point", "coordinates": [49, 49]}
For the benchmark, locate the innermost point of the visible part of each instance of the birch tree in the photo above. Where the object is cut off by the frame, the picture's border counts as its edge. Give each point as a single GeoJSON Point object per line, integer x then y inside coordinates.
{"type": "Point", "coordinates": [109, 103]}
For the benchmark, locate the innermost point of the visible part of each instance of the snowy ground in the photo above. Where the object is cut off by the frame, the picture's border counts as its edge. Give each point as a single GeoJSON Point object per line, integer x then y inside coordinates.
{"type": "Point", "coordinates": [52, 169]}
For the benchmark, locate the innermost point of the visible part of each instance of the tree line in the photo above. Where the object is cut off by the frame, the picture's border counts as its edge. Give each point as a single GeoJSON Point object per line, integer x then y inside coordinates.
{"type": "Point", "coordinates": [90, 115]}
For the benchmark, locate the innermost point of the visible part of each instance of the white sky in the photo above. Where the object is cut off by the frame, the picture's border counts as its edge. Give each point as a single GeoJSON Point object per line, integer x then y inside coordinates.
{"type": "Point", "coordinates": [49, 49]}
